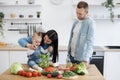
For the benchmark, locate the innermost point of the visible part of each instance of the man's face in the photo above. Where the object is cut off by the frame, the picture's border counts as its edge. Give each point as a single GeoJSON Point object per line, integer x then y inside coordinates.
{"type": "Point", "coordinates": [81, 13]}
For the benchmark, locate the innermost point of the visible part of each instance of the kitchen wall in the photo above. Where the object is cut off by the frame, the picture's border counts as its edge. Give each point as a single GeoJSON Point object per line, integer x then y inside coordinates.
{"type": "Point", "coordinates": [60, 18]}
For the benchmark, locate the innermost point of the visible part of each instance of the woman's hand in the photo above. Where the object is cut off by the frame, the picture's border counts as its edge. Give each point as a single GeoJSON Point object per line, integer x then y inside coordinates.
{"type": "Point", "coordinates": [54, 64]}
{"type": "Point", "coordinates": [50, 49]}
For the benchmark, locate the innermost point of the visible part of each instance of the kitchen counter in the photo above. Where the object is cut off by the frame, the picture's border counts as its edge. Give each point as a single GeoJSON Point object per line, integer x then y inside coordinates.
{"type": "Point", "coordinates": [15, 48]}
{"type": "Point", "coordinates": [19, 48]}
{"type": "Point", "coordinates": [94, 74]}
{"type": "Point", "coordinates": [61, 48]}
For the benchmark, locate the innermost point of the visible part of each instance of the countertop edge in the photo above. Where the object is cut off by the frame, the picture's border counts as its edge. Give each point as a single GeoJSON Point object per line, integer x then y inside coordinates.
{"type": "Point", "coordinates": [60, 48]}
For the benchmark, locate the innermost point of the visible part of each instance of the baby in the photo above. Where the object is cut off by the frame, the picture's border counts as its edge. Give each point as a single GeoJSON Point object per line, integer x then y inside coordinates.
{"type": "Point", "coordinates": [36, 41]}
{"type": "Point", "coordinates": [35, 49]}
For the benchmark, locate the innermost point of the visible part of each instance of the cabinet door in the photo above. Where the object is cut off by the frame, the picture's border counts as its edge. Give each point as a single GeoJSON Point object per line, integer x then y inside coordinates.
{"type": "Point", "coordinates": [112, 66]}
{"type": "Point", "coordinates": [18, 56]}
{"type": "Point", "coordinates": [62, 57]}
{"type": "Point", "coordinates": [4, 61]}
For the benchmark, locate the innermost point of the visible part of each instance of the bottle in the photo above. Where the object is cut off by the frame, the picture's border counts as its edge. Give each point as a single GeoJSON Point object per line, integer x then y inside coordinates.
{"type": "Point", "coordinates": [38, 14]}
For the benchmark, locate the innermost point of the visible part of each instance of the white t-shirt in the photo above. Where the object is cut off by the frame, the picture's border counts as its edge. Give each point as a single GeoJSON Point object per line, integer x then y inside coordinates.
{"type": "Point", "coordinates": [75, 36]}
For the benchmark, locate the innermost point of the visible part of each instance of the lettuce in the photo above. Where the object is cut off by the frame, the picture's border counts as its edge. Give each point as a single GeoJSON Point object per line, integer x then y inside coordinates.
{"type": "Point", "coordinates": [44, 60]}
{"type": "Point", "coordinates": [15, 67]}
{"type": "Point", "coordinates": [81, 69]}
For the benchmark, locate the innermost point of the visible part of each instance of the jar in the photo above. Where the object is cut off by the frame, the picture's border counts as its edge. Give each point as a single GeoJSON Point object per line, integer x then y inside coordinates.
{"type": "Point", "coordinates": [31, 1]}
{"type": "Point", "coordinates": [12, 15]}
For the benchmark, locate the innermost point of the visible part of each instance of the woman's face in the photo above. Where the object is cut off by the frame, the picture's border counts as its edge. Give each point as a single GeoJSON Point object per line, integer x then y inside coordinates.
{"type": "Point", "coordinates": [47, 40]}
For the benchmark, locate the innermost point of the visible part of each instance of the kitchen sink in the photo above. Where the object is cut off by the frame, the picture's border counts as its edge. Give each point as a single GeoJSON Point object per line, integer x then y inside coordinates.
{"type": "Point", "coordinates": [113, 47]}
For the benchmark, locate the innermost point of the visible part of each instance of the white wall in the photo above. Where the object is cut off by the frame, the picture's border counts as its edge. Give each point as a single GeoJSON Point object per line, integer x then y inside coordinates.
{"type": "Point", "coordinates": [60, 18]}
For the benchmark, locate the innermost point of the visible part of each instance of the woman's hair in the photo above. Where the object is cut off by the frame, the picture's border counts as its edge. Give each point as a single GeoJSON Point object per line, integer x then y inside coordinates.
{"type": "Point", "coordinates": [52, 34]}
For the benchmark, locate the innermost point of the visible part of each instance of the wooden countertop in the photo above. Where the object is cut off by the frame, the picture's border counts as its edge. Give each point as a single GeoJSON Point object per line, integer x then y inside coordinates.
{"type": "Point", "coordinates": [61, 48]}
{"type": "Point", "coordinates": [19, 48]}
{"type": "Point", "coordinates": [94, 74]}
{"type": "Point", "coordinates": [14, 48]}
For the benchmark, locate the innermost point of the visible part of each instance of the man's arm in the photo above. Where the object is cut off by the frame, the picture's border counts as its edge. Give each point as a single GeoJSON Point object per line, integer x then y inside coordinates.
{"type": "Point", "coordinates": [90, 42]}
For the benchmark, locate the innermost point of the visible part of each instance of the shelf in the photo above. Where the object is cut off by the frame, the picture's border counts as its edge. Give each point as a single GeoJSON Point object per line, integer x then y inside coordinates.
{"type": "Point", "coordinates": [21, 19]}
{"type": "Point", "coordinates": [106, 18]}
{"type": "Point", "coordinates": [116, 5]}
{"type": "Point", "coordinates": [21, 5]}
{"type": "Point", "coordinates": [89, 4]}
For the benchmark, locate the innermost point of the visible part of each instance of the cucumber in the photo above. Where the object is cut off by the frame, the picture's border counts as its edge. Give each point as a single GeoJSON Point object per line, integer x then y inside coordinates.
{"type": "Point", "coordinates": [45, 73]}
{"type": "Point", "coordinates": [55, 74]}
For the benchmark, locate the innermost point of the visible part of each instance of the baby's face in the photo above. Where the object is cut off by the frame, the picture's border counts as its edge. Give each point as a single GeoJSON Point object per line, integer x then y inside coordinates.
{"type": "Point", "coordinates": [37, 40]}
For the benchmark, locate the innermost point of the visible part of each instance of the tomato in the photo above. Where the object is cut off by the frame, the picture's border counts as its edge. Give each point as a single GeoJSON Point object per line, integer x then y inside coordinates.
{"type": "Point", "coordinates": [39, 74]}
{"type": "Point", "coordinates": [20, 72]}
{"type": "Point", "coordinates": [49, 69]}
{"type": "Point", "coordinates": [59, 76]}
{"type": "Point", "coordinates": [28, 74]}
{"type": "Point", "coordinates": [24, 73]}
{"type": "Point", "coordinates": [49, 75]}
{"type": "Point", "coordinates": [34, 73]}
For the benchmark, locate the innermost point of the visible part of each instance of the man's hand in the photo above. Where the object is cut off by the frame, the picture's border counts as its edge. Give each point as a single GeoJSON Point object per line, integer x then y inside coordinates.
{"type": "Point", "coordinates": [86, 64]}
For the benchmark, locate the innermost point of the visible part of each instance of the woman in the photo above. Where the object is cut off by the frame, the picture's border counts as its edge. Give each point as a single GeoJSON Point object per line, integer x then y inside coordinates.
{"type": "Point", "coordinates": [49, 41]}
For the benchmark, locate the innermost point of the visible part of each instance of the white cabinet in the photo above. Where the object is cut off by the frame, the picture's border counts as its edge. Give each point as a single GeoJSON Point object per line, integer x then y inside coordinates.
{"type": "Point", "coordinates": [4, 61]}
{"type": "Point", "coordinates": [8, 57]}
{"type": "Point", "coordinates": [18, 56]}
{"type": "Point", "coordinates": [112, 66]}
{"type": "Point", "coordinates": [62, 57]}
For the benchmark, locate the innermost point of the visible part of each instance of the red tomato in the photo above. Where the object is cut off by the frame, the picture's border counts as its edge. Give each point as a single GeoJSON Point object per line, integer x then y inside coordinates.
{"type": "Point", "coordinates": [49, 69]}
{"type": "Point", "coordinates": [59, 76]}
{"type": "Point", "coordinates": [34, 73]}
{"type": "Point", "coordinates": [39, 74]}
{"type": "Point", "coordinates": [49, 75]}
{"type": "Point", "coordinates": [28, 74]}
{"type": "Point", "coordinates": [20, 72]}
{"type": "Point", "coordinates": [23, 74]}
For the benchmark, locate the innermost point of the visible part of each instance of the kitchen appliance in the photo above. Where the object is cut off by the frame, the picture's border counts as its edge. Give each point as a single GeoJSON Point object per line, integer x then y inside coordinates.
{"type": "Point", "coordinates": [98, 59]}
{"type": "Point", "coordinates": [113, 47]}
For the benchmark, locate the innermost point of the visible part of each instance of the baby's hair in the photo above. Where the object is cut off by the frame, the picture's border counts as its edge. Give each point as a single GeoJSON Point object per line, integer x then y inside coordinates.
{"type": "Point", "coordinates": [39, 34]}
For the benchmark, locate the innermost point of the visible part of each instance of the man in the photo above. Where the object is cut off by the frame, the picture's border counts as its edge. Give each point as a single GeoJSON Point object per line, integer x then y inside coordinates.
{"type": "Point", "coordinates": [81, 41]}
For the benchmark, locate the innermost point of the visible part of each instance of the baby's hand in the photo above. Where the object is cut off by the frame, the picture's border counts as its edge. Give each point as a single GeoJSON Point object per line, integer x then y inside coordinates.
{"type": "Point", "coordinates": [31, 46]}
